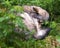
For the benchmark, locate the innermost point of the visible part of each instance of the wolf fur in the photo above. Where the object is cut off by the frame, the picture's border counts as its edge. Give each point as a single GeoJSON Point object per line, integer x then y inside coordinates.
{"type": "Point", "coordinates": [32, 15]}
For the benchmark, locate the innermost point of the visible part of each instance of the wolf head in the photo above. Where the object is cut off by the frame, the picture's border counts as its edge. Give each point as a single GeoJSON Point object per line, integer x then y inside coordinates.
{"type": "Point", "coordinates": [42, 14]}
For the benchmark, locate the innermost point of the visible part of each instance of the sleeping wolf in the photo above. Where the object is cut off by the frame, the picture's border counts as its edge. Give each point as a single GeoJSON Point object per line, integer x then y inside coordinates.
{"type": "Point", "coordinates": [33, 18]}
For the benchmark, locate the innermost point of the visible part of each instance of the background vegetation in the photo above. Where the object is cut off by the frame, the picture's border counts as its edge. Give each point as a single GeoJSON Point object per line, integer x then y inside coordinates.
{"type": "Point", "coordinates": [8, 20]}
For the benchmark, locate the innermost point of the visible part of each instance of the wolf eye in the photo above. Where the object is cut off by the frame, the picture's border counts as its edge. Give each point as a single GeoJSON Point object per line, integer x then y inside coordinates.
{"type": "Point", "coordinates": [37, 13]}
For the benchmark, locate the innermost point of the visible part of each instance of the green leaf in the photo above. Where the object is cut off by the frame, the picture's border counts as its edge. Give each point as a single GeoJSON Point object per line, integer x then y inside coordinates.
{"type": "Point", "coordinates": [53, 24]}
{"type": "Point", "coordinates": [18, 8]}
{"type": "Point", "coordinates": [58, 38]}
{"type": "Point", "coordinates": [3, 18]}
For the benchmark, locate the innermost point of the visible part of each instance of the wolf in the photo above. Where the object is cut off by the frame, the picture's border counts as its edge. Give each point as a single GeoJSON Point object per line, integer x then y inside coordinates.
{"type": "Point", "coordinates": [33, 17]}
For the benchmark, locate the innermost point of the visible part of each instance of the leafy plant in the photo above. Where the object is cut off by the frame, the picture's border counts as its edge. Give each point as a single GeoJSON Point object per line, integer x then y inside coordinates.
{"type": "Point", "coordinates": [9, 38]}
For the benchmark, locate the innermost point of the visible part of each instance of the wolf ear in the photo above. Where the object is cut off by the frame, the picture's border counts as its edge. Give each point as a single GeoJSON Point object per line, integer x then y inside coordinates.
{"type": "Point", "coordinates": [35, 9]}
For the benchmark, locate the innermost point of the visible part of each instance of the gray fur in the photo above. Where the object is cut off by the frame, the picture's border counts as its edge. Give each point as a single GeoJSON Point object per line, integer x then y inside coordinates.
{"type": "Point", "coordinates": [33, 14]}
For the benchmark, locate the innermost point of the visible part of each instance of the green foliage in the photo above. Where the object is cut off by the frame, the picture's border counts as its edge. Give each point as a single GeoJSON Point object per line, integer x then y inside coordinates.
{"type": "Point", "coordinates": [8, 20]}
{"type": "Point", "coordinates": [53, 24]}
{"type": "Point", "coordinates": [58, 38]}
